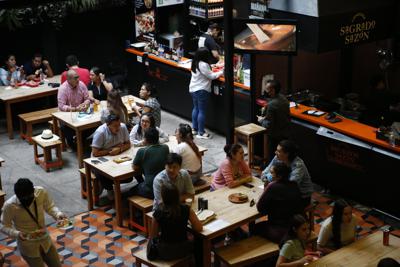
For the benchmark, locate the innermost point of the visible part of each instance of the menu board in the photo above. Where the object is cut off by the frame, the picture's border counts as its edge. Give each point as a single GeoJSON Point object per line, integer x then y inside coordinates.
{"type": "Point", "coordinates": [259, 9]}
{"type": "Point", "coordinates": [161, 3]}
{"type": "Point", "coordinates": [144, 19]}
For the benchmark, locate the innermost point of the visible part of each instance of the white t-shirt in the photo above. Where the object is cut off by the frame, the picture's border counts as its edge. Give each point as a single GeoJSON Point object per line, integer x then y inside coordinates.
{"type": "Point", "coordinates": [190, 161]}
{"type": "Point", "coordinates": [347, 233]}
{"type": "Point", "coordinates": [201, 80]}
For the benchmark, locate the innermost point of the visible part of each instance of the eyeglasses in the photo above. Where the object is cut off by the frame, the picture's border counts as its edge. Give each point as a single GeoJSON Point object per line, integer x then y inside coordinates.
{"type": "Point", "coordinates": [145, 121]}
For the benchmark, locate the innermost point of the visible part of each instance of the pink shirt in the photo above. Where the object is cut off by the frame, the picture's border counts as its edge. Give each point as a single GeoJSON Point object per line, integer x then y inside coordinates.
{"type": "Point", "coordinates": [224, 175]}
{"type": "Point", "coordinates": [72, 97]}
{"type": "Point", "coordinates": [84, 75]}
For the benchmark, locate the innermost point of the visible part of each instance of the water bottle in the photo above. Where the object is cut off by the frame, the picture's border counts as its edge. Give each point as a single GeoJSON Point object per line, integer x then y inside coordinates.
{"type": "Point", "coordinates": [91, 108]}
{"type": "Point", "coordinates": [392, 140]}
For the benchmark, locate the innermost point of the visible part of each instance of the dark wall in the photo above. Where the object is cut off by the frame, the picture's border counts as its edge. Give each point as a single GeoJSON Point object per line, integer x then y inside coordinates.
{"type": "Point", "coordinates": [96, 37]}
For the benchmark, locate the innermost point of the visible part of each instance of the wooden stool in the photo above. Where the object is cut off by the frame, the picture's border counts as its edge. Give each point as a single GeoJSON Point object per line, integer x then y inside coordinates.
{"type": "Point", "coordinates": [95, 185]}
{"type": "Point", "coordinates": [141, 258]}
{"type": "Point", "coordinates": [47, 162]}
{"type": "Point", "coordinates": [144, 205]}
{"type": "Point", "coordinates": [249, 131]}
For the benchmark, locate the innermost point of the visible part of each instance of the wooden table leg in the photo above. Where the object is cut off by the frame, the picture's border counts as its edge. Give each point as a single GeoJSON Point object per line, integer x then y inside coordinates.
{"type": "Point", "coordinates": [118, 201]}
{"type": "Point", "coordinates": [79, 146]}
{"type": "Point", "coordinates": [250, 150]}
{"type": "Point", "coordinates": [265, 148]}
{"type": "Point", "coordinates": [89, 186]}
{"type": "Point", "coordinates": [9, 121]}
{"type": "Point", "coordinates": [35, 153]}
{"type": "Point", "coordinates": [206, 252]}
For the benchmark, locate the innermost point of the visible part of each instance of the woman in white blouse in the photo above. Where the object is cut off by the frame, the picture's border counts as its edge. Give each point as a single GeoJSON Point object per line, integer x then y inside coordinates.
{"type": "Point", "coordinates": [338, 230]}
{"type": "Point", "coordinates": [137, 134]}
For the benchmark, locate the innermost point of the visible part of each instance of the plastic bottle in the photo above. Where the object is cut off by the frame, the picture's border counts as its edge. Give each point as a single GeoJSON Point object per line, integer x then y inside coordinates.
{"type": "Point", "coordinates": [392, 140]}
{"type": "Point", "coordinates": [91, 108]}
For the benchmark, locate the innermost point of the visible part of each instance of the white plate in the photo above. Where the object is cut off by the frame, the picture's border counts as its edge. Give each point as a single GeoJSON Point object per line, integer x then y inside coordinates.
{"type": "Point", "coordinates": [139, 45]}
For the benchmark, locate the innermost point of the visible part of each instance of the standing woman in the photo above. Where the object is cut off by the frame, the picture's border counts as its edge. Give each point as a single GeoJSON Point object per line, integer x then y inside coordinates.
{"type": "Point", "coordinates": [188, 150]}
{"type": "Point", "coordinates": [339, 229]}
{"type": "Point", "coordinates": [10, 73]}
{"type": "Point", "coordinates": [233, 171]}
{"type": "Point", "coordinates": [98, 86]}
{"type": "Point", "coordinates": [200, 89]}
{"type": "Point", "coordinates": [115, 106]}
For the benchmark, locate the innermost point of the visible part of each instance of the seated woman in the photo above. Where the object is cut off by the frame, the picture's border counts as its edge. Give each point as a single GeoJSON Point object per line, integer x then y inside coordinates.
{"type": "Point", "coordinates": [188, 150]}
{"type": "Point", "coordinates": [233, 171]}
{"type": "Point", "coordinates": [151, 105]}
{"type": "Point", "coordinates": [115, 106]}
{"type": "Point", "coordinates": [98, 87]}
{"type": "Point", "coordinates": [286, 152]}
{"type": "Point", "coordinates": [10, 73]}
{"type": "Point", "coordinates": [170, 224]}
{"type": "Point", "coordinates": [292, 246]}
{"type": "Point", "coordinates": [339, 229]}
{"type": "Point", "coordinates": [137, 134]}
{"type": "Point", "coordinates": [280, 201]}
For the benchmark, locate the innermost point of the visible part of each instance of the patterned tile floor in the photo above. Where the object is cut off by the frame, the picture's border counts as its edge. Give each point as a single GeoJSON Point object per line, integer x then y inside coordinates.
{"type": "Point", "coordinates": [96, 240]}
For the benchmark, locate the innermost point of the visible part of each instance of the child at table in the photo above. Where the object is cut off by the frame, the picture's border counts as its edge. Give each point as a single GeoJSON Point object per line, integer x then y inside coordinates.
{"type": "Point", "coordinates": [169, 226]}
{"type": "Point", "coordinates": [339, 229]}
{"type": "Point", "coordinates": [292, 247]}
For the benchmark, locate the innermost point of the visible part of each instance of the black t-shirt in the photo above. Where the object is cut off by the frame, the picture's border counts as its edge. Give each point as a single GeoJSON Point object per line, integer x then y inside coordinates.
{"type": "Point", "coordinates": [29, 69]}
{"type": "Point", "coordinates": [98, 94]}
{"type": "Point", "coordinates": [208, 41]}
{"type": "Point", "coordinates": [172, 230]}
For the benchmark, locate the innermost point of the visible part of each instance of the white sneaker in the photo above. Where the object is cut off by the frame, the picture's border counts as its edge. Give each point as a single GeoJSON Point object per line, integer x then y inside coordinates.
{"type": "Point", "coordinates": [194, 132]}
{"type": "Point", "coordinates": [204, 136]}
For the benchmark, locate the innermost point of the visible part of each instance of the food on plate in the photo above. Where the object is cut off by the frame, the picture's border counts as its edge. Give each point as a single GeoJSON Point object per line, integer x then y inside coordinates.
{"type": "Point", "coordinates": [63, 223]}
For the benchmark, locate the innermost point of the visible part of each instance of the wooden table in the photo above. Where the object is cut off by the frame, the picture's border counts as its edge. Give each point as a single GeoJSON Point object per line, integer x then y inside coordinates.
{"type": "Point", "coordinates": [117, 173]}
{"type": "Point", "coordinates": [365, 252]}
{"type": "Point", "coordinates": [24, 93]}
{"type": "Point", "coordinates": [70, 119]}
{"type": "Point", "coordinates": [234, 215]}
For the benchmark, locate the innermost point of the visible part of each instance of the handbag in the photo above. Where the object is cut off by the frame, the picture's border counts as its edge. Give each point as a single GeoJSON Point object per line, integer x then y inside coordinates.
{"type": "Point", "coordinates": [152, 249]}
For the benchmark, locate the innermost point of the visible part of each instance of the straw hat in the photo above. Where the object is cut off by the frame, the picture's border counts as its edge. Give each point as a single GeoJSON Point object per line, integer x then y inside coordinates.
{"type": "Point", "coordinates": [47, 135]}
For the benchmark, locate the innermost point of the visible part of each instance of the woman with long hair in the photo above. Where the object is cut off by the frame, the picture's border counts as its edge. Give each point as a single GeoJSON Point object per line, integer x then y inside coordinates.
{"type": "Point", "coordinates": [280, 201]}
{"type": "Point", "coordinates": [188, 150]}
{"type": "Point", "coordinates": [339, 229]}
{"type": "Point", "coordinates": [115, 106]}
{"type": "Point", "coordinates": [292, 246]}
{"type": "Point", "coordinates": [137, 133]}
{"type": "Point", "coordinates": [200, 89]}
{"type": "Point", "coordinates": [10, 73]}
{"type": "Point", "coordinates": [233, 171]}
{"type": "Point", "coordinates": [151, 105]}
{"type": "Point", "coordinates": [98, 87]}
{"type": "Point", "coordinates": [169, 225]}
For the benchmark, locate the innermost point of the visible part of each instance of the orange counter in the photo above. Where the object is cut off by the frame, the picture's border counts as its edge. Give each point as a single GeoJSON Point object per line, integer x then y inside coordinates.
{"type": "Point", "coordinates": [348, 127]}
{"type": "Point", "coordinates": [174, 64]}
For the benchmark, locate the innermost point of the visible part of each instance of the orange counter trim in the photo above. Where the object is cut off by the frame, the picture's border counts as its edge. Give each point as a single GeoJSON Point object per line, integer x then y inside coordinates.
{"type": "Point", "coordinates": [349, 127]}
{"type": "Point", "coordinates": [174, 64]}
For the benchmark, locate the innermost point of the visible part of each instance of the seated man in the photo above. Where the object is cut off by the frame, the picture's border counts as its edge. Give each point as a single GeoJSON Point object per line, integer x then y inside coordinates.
{"type": "Point", "coordinates": [175, 175]}
{"type": "Point", "coordinates": [149, 161]}
{"type": "Point", "coordinates": [33, 68]}
{"type": "Point", "coordinates": [111, 138]}
{"type": "Point", "coordinates": [72, 62]}
{"type": "Point", "coordinates": [72, 96]}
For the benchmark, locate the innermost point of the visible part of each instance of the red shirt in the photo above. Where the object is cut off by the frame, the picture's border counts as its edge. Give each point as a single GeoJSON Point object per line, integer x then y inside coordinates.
{"type": "Point", "coordinates": [83, 75]}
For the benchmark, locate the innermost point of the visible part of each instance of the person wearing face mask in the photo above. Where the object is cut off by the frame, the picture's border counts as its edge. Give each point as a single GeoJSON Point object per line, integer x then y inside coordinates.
{"type": "Point", "coordinates": [23, 218]}
{"type": "Point", "coordinates": [173, 174]}
{"type": "Point", "coordinates": [276, 118]}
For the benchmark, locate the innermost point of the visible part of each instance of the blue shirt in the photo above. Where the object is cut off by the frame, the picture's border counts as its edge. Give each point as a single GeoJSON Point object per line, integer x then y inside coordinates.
{"type": "Point", "coordinates": [104, 139]}
{"type": "Point", "coordinates": [299, 174]}
{"type": "Point", "coordinates": [4, 74]}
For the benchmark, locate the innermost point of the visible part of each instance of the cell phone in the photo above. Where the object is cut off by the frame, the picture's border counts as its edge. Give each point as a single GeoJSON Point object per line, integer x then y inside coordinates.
{"type": "Point", "coordinates": [248, 185]}
{"type": "Point", "coordinates": [95, 161]}
{"type": "Point", "coordinates": [103, 159]}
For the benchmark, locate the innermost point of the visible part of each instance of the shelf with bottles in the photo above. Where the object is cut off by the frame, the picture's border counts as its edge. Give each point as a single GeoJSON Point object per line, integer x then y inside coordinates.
{"type": "Point", "coordinates": [206, 13]}
{"type": "Point", "coordinates": [207, 4]}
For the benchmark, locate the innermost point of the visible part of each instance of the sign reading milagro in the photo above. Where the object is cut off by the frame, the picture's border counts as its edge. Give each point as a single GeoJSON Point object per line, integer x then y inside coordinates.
{"type": "Point", "coordinates": [359, 30]}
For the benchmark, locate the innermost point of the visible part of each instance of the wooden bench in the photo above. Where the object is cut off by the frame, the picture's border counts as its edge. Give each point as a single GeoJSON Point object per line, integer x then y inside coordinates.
{"type": "Point", "coordinates": [245, 252]}
{"type": "Point", "coordinates": [142, 204]}
{"type": "Point", "coordinates": [141, 258]}
{"type": "Point", "coordinates": [95, 185]}
{"type": "Point", "coordinates": [26, 121]}
{"type": "Point", "coordinates": [204, 187]}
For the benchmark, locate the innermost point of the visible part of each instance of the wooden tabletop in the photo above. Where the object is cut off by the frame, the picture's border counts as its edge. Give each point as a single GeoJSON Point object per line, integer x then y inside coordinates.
{"type": "Point", "coordinates": [365, 252]}
{"type": "Point", "coordinates": [250, 129]}
{"type": "Point", "coordinates": [349, 127]}
{"type": "Point", "coordinates": [116, 170]}
{"type": "Point", "coordinates": [232, 214]}
{"type": "Point", "coordinates": [7, 94]}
